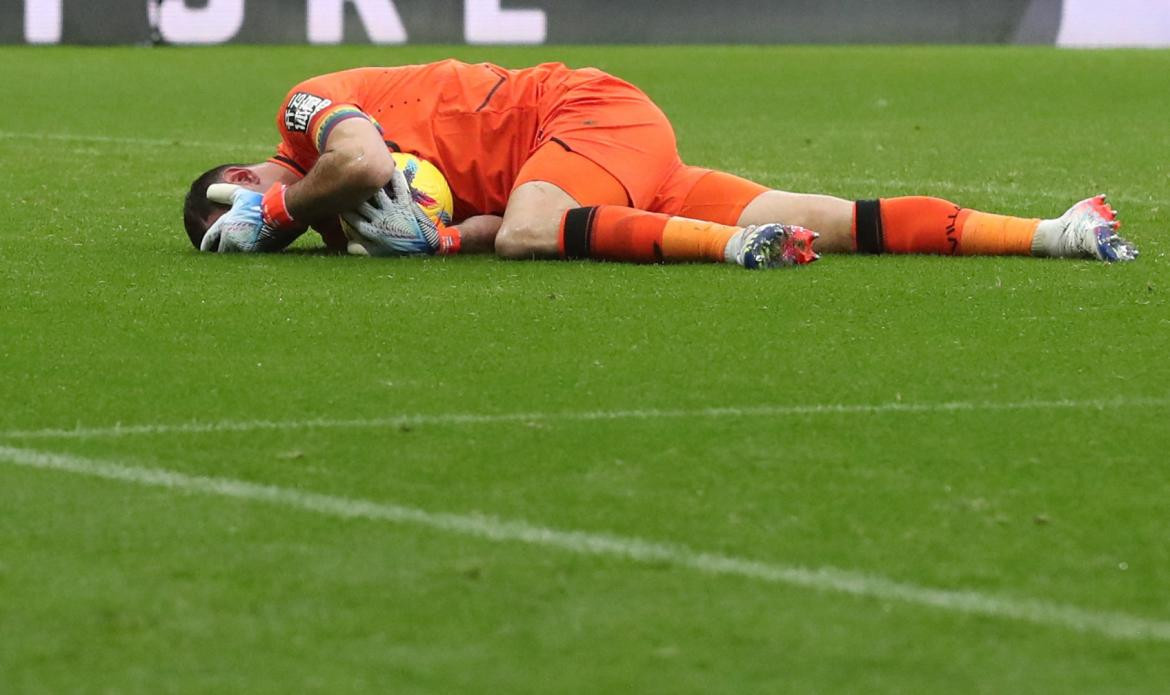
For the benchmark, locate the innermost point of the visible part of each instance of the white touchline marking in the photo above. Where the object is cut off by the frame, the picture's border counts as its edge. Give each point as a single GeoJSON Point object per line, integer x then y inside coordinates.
{"type": "Point", "coordinates": [1118, 626]}
{"type": "Point", "coordinates": [411, 420]}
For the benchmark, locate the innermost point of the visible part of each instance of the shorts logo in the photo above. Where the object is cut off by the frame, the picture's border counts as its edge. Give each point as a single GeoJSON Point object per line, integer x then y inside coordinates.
{"type": "Point", "coordinates": [300, 110]}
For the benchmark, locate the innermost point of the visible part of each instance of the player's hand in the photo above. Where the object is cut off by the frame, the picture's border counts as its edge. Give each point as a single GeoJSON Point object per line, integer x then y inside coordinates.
{"type": "Point", "coordinates": [392, 224]}
{"type": "Point", "coordinates": [241, 229]}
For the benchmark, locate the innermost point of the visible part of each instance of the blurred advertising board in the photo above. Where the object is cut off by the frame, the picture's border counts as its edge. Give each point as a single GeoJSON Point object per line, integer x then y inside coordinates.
{"type": "Point", "coordinates": [1060, 22]}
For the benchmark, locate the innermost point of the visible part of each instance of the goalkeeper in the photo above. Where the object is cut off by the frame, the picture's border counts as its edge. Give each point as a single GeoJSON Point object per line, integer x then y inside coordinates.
{"type": "Point", "coordinates": [552, 162]}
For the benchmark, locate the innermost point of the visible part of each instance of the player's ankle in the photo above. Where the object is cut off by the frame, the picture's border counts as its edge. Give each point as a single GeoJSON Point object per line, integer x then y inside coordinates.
{"type": "Point", "coordinates": [1044, 240]}
{"type": "Point", "coordinates": [733, 251]}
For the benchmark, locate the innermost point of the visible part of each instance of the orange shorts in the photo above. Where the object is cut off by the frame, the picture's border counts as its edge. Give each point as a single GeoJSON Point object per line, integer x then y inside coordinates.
{"type": "Point", "coordinates": [605, 143]}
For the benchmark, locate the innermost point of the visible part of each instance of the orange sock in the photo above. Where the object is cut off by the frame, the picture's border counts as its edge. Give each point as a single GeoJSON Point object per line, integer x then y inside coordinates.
{"type": "Point", "coordinates": [615, 233]}
{"type": "Point", "coordinates": [932, 225]}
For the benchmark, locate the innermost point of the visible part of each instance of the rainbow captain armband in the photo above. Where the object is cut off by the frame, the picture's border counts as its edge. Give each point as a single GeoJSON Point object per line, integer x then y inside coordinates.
{"type": "Point", "coordinates": [274, 210]}
{"type": "Point", "coordinates": [325, 121]}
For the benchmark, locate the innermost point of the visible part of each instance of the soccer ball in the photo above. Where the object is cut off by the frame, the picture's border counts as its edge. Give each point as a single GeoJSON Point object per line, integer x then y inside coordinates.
{"type": "Point", "coordinates": [430, 191]}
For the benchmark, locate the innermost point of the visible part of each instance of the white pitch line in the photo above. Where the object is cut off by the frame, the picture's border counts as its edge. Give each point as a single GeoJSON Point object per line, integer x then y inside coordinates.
{"type": "Point", "coordinates": [413, 420]}
{"type": "Point", "coordinates": [1118, 626]}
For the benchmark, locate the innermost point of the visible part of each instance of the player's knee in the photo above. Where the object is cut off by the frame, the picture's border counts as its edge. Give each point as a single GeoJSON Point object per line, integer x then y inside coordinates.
{"type": "Point", "coordinates": [525, 239]}
{"type": "Point", "coordinates": [512, 242]}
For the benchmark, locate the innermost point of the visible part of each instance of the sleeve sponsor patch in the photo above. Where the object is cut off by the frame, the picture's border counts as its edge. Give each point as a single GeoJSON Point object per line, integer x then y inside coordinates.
{"type": "Point", "coordinates": [300, 110]}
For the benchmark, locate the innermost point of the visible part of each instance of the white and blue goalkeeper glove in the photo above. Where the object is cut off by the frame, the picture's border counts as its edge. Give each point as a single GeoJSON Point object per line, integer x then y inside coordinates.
{"type": "Point", "coordinates": [241, 229]}
{"type": "Point", "coordinates": [392, 224]}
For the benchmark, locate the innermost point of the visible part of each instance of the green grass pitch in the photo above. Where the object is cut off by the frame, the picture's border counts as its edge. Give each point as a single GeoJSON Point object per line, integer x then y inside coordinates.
{"type": "Point", "coordinates": [338, 474]}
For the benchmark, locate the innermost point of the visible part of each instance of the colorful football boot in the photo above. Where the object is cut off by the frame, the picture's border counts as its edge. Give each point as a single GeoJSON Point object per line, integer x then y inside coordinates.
{"type": "Point", "coordinates": [775, 245]}
{"type": "Point", "coordinates": [1087, 230]}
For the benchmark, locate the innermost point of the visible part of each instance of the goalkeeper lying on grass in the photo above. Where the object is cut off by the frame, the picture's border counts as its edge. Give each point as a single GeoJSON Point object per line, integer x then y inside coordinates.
{"type": "Point", "coordinates": [550, 162]}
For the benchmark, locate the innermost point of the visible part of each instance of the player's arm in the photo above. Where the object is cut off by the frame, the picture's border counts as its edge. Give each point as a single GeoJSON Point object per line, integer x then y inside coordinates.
{"type": "Point", "coordinates": [478, 233]}
{"type": "Point", "coordinates": [347, 170]}
{"type": "Point", "coordinates": [353, 166]}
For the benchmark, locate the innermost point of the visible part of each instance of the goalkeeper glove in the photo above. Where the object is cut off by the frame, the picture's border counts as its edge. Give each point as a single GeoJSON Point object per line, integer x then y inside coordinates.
{"type": "Point", "coordinates": [392, 224]}
{"type": "Point", "coordinates": [255, 223]}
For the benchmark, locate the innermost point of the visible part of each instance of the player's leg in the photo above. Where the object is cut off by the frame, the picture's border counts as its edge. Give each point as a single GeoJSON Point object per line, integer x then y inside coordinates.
{"type": "Point", "coordinates": [919, 224]}
{"type": "Point", "coordinates": [895, 225]}
{"type": "Point", "coordinates": [706, 194]}
{"type": "Point", "coordinates": [913, 224]}
{"type": "Point", "coordinates": [583, 215]}
{"type": "Point", "coordinates": [830, 217]}
{"type": "Point", "coordinates": [531, 221]}
{"type": "Point", "coordinates": [550, 183]}
{"type": "Point", "coordinates": [581, 204]}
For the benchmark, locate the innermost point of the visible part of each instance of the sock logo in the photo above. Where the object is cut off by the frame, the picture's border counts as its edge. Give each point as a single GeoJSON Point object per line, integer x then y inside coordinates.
{"type": "Point", "coordinates": [300, 110]}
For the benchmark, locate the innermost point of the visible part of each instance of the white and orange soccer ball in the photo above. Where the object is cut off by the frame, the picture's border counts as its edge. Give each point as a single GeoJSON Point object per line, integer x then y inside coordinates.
{"type": "Point", "coordinates": [430, 191]}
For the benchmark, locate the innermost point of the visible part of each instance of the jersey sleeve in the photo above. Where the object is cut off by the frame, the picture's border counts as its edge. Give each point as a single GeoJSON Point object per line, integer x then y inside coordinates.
{"type": "Point", "coordinates": [306, 118]}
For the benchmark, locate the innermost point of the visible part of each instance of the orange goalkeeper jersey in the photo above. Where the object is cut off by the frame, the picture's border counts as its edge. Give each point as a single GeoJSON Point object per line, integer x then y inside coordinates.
{"type": "Point", "coordinates": [477, 123]}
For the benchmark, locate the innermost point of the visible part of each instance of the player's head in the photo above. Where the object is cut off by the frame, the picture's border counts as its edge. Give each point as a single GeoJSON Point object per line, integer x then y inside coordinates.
{"type": "Point", "coordinates": [199, 213]}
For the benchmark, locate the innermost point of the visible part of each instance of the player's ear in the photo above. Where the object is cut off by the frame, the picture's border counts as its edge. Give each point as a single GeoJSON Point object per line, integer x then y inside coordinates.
{"type": "Point", "coordinates": [241, 175]}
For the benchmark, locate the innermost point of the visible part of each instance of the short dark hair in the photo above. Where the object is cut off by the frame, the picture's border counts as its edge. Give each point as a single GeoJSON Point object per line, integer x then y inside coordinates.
{"type": "Point", "coordinates": [197, 209]}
